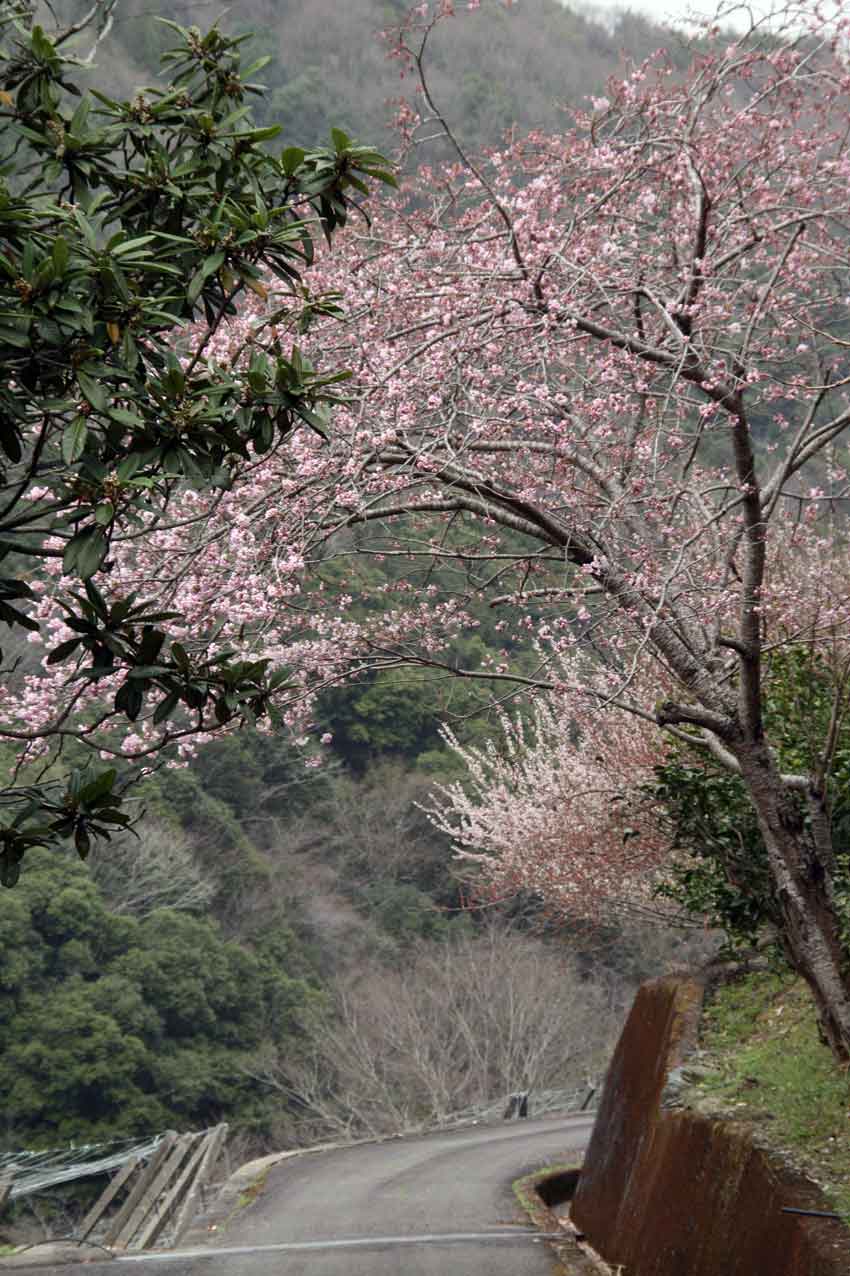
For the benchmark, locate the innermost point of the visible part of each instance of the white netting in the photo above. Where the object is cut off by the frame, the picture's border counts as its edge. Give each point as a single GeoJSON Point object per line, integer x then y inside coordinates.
{"type": "Point", "coordinates": [35, 1171]}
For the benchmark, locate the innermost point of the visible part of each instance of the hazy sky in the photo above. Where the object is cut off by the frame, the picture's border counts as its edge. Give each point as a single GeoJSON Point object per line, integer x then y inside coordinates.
{"type": "Point", "coordinates": [659, 9]}
{"type": "Point", "coordinates": [738, 13]}
{"type": "Point", "coordinates": [668, 10]}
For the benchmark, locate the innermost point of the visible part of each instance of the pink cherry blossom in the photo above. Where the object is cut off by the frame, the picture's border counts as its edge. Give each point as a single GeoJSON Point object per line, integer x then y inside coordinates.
{"type": "Point", "coordinates": [567, 359]}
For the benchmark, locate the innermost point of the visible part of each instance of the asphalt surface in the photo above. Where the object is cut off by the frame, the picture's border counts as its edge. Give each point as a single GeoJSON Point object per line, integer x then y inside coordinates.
{"type": "Point", "coordinates": [438, 1205]}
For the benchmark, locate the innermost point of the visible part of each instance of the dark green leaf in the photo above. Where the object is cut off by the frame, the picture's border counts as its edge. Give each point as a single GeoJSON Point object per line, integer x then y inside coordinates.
{"type": "Point", "coordinates": [61, 255]}
{"type": "Point", "coordinates": [180, 656]}
{"type": "Point", "coordinates": [129, 699]}
{"type": "Point", "coordinates": [99, 786]}
{"type": "Point", "coordinates": [93, 391]}
{"type": "Point", "coordinates": [10, 869]}
{"type": "Point", "coordinates": [63, 651]}
{"type": "Point", "coordinates": [207, 268]}
{"type": "Point", "coordinates": [85, 552]}
{"type": "Point", "coordinates": [291, 159]}
{"type": "Point", "coordinates": [166, 707]}
{"type": "Point", "coordinates": [82, 841]}
{"type": "Point", "coordinates": [74, 440]}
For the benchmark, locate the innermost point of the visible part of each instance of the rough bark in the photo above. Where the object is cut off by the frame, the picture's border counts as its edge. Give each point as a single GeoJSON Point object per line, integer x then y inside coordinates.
{"type": "Point", "coordinates": [802, 878]}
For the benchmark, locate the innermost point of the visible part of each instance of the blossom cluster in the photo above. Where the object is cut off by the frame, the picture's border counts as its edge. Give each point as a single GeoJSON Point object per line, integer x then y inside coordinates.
{"type": "Point", "coordinates": [599, 378]}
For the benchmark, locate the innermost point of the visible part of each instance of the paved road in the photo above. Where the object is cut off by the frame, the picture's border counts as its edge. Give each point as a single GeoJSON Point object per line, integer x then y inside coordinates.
{"type": "Point", "coordinates": [440, 1205]}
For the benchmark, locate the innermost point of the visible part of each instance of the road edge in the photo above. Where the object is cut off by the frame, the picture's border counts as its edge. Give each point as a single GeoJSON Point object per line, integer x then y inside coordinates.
{"type": "Point", "coordinates": [249, 1179]}
{"type": "Point", "coordinates": [575, 1257]}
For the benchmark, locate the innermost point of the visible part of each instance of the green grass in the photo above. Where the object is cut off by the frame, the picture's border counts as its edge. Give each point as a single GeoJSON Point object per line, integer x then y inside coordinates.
{"type": "Point", "coordinates": [773, 1070]}
{"type": "Point", "coordinates": [254, 1189]}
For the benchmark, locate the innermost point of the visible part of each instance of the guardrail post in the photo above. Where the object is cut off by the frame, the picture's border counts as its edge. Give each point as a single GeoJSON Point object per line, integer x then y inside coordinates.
{"type": "Point", "coordinates": [156, 1185]}
{"type": "Point", "coordinates": [517, 1105]}
{"type": "Point", "coordinates": [6, 1181]}
{"type": "Point", "coordinates": [140, 1188]}
{"type": "Point", "coordinates": [106, 1197]}
{"type": "Point", "coordinates": [195, 1196]}
{"type": "Point", "coordinates": [166, 1197]}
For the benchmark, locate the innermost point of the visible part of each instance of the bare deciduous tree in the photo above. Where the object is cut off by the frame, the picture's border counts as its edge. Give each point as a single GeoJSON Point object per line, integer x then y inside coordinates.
{"type": "Point", "coordinates": [464, 1024]}
{"type": "Point", "coordinates": [155, 867]}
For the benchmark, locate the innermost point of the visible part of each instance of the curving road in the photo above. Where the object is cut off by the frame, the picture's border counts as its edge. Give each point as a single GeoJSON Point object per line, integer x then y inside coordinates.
{"type": "Point", "coordinates": [436, 1205]}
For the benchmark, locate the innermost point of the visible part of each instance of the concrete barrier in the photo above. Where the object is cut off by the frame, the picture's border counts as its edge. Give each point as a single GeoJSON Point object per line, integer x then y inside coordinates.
{"type": "Point", "coordinates": [675, 1193]}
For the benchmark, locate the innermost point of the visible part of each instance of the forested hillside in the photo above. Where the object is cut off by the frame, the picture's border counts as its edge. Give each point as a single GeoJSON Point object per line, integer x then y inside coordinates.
{"type": "Point", "coordinates": [283, 915]}
{"type": "Point", "coordinates": [329, 66]}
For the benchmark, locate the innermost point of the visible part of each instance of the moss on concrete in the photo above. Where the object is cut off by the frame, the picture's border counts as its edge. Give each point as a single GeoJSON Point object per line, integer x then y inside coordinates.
{"type": "Point", "coordinates": [571, 1260]}
{"type": "Point", "coordinates": [668, 1191]}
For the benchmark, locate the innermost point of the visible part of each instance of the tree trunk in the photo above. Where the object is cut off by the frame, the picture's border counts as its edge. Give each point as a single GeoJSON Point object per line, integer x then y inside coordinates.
{"type": "Point", "coordinates": [802, 878]}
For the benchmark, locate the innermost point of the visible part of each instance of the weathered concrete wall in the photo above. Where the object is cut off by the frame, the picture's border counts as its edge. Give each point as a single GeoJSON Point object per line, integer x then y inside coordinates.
{"type": "Point", "coordinates": [674, 1193]}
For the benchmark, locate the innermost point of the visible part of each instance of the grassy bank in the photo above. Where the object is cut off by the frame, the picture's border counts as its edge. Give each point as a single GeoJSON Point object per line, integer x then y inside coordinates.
{"type": "Point", "coordinates": [766, 1065]}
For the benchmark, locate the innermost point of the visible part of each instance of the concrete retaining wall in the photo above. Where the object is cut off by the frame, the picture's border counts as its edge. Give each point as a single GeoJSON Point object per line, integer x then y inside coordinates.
{"type": "Point", "coordinates": [675, 1193]}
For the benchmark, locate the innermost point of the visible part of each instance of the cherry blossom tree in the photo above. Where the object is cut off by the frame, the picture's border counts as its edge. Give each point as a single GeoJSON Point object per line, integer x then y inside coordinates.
{"type": "Point", "coordinates": [601, 381]}
{"type": "Point", "coordinates": [559, 804]}
{"type": "Point", "coordinates": [626, 346]}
